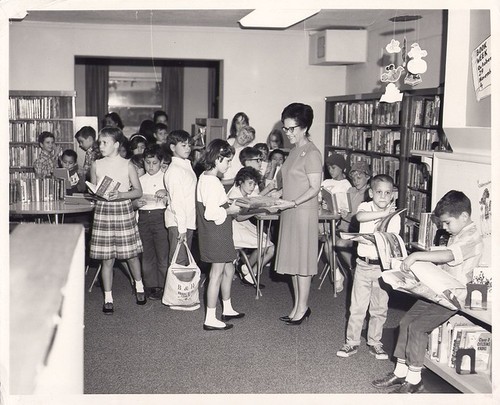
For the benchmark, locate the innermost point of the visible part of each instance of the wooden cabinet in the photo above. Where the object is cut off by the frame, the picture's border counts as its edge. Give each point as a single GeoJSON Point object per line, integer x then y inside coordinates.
{"type": "Point", "coordinates": [32, 112]}
{"type": "Point", "coordinates": [208, 129]}
{"type": "Point", "coordinates": [391, 138]}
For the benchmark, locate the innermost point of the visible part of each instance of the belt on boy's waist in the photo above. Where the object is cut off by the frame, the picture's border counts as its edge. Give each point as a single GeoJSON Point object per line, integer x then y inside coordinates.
{"type": "Point", "coordinates": [367, 260]}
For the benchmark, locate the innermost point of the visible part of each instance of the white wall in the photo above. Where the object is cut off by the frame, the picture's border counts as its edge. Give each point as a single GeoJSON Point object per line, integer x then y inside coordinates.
{"type": "Point", "coordinates": [427, 32]}
{"type": "Point", "coordinates": [263, 70]}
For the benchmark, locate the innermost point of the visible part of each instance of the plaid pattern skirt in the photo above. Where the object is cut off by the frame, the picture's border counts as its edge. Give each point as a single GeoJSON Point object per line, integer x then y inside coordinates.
{"type": "Point", "coordinates": [115, 234]}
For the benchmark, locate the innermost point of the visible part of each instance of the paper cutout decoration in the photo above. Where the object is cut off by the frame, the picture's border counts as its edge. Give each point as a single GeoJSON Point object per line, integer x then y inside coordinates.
{"type": "Point", "coordinates": [403, 52]}
{"type": "Point", "coordinates": [391, 74]}
{"type": "Point", "coordinates": [412, 79]}
{"type": "Point", "coordinates": [417, 65]}
{"type": "Point", "coordinates": [393, 46]}
{"type": "Point", "coordinates": [392, 94]}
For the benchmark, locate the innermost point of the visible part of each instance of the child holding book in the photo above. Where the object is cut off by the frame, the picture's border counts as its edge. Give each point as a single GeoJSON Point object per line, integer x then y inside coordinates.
{"type": "Point", "coordinates": [244, 232]}
{"type": "Point", "coordinates": [77, 181]}
{"type": "Point", "coordinates": [49, 152]}
{"type": "Point", "coordinates": [180, 182]}
{"type": "Point", "coordinates": [462, 255]}
{"type": "Point", "coordinates": [114, 233]}
{"type": "Point", "coordinates": [154, 235]}
{"type": "Point", "coordinates": [86, 138]}
{"type": "Point", "coordinates": [214, 217]}
{"type": "Point", "coordinates": [367, 292]}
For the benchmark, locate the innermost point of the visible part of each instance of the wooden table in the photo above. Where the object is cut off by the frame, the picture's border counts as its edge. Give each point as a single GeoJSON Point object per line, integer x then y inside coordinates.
{"type": "Point", "coordinates": [57, 209]}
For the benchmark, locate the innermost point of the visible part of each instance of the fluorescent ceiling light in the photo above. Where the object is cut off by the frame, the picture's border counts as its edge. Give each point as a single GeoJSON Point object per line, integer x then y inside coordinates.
{"type": "Point", "coordinates": [276, 18]}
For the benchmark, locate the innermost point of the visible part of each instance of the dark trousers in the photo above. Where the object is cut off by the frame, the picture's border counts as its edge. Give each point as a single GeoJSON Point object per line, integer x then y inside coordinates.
{"type": "Point", "coordinates": [414, 328]}
{"type": "Point", "coordinates": [173, 233]}
{"type": "Point", "coordinates": [154, 238]}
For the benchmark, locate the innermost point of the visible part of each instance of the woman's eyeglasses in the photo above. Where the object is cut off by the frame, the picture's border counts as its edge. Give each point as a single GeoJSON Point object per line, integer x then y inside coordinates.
{"type": "Point", "coordinates": [289, 129]}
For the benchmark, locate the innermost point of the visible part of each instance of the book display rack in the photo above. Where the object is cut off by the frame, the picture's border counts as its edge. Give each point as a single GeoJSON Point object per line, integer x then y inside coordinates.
{"type": "Point", "coordinates": [30, 113]}
{"type": "Point", "coordinates": [391, 138]}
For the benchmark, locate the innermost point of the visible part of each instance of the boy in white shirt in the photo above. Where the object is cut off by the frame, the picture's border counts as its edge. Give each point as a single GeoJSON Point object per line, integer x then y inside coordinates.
{"type": "Point", "coordinates": [151, 224]}
{"type": "Point", "coordinates": [180, 183]}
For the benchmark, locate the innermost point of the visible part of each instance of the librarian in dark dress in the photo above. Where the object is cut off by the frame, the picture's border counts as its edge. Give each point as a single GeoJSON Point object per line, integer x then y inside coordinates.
{"type": "Point", "coordinates": [300, 180]}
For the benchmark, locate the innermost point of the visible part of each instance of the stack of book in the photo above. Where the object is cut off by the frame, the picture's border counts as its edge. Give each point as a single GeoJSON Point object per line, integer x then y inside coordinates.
{"type": "Point", "coordinates": [460, 333]}
{"type": "Point", "coordinates": [30, 190]}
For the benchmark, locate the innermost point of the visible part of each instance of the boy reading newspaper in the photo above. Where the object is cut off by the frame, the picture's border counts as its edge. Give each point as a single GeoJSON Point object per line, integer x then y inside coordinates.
{"type": "Point", "coordinates": [457, 261]}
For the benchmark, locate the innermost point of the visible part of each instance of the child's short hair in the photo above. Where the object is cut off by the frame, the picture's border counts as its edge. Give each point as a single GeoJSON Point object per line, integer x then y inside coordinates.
{"type": "Point", "coordinates": [453, 203]}
{"type": "Point", "coordinates": [247, 173]}
{"type": "Point", "coordinates": [249, 153]}
{"type": "Point", "coordinates": [277, 152]}
{"type": "Point", "coordinates": [154, 150]}
{"type": "Point", "coordinates": [166, 158]}
{"type": "Point", "coordinates": [248, 130]}
{"type": "Point", "coordinates": [381, 178]}
{"type": "Point", "coordinates": [159, 113]}
{"type": "Point", "coordinates": [86, 133]}
{"type": "Point", "coordinates": [262, 146]}
{"type": "Point", "coordinates": [70, 153]}
{"type": "Point", "coordinates": [217, 148]}
{"type": "Point", "coordinates": [176, 136]}
{"type": "Point", "coordinates": [113, 132]}
{"type": "Point", "coordinates": [160, 126]}
{"type": "Point", "coordinates": [138, 160]}
{"type": "Point", "coordinates": [135, 140]}
{"type": "Point", "coordinates": [44, 135]}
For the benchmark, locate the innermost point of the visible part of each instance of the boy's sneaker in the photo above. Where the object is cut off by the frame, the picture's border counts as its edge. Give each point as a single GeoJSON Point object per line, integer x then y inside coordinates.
{"type": "Point", "coordinates": [347, 350]}
{"type": "Point", "coordinates": [378, 352]}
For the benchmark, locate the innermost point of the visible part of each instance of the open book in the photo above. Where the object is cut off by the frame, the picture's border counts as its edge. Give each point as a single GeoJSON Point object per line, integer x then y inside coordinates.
{"type": "Point", "coordinates": [104, 187]}
{"type": "Point", "coordinates": [336, 202]}
{"type": "Point", "coordinates": [258, 204]}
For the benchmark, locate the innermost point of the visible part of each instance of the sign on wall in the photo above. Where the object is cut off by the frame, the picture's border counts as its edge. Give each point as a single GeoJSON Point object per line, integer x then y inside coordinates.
{"type": "Point", "coordinates": [481, 69]}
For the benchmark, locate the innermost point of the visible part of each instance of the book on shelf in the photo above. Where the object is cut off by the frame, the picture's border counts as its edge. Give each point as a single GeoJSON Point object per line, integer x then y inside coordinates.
{"type": "Point", "coordinates": [336, 202]}
{"type": "Point", "coordinates": [427, 230]}
{"type": "Point", "coordinates": [104, 187]}
{"type": "Point", "coordinates": [36, 189]}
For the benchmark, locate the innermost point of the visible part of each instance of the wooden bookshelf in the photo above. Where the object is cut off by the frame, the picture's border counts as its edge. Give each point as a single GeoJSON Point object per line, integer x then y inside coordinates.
{"type": "Point", "coordinates": [31, 113]}
{"type": "Point", "coordinates": [467, 383]}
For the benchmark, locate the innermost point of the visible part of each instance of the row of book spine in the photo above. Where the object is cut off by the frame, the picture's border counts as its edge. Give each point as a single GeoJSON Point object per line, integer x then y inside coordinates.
{"type": "Point", "coordinates": [386, 165]}
{"type": "Point", "coordinates": [377, 140]}
{"type": "Point", "coordinates": [35, 189]}
{"type": "Point", "coordinates": [460, 333]}
{"type": "Point", "coordinates": [426, 111]}
{"type": "Point", "coordinates": [23, 155]}
{"type": "Point", "coordinates": [427, 230]}
{"type": "Point", "coordinates": [28, 131]}
{"type": "Point", "coordinates": [418, 176]}
{"type": "Point", "coordinates": [366, 113]}
{"type": "Point", "coordinates": [416, 202]}
{"type": "Point", "coordinates": [424, 139]}
{"type": "Point", "coordinates": [47, 107]}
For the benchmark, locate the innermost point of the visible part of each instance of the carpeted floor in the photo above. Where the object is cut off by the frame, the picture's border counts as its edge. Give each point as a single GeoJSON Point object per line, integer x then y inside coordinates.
{"type": "Point", "coordinates": [152, 349]}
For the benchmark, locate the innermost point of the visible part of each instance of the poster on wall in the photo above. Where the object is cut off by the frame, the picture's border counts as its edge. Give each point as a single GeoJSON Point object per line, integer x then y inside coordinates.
{"type": "Point", "coordinates": [481, 69]}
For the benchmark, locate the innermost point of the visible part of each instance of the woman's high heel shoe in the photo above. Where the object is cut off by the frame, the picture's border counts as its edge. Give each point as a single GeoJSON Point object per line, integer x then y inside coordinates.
{"type": "Point", "coordinates": [285, 318]}
{"type": "Point", "coordinates": [299, 321]}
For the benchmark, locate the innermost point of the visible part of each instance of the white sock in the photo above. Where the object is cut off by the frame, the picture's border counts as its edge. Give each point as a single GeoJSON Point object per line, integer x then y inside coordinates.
{"type": "Point", "coordinates": [211, 320]}
{"type": "Point", "coordinates": [414, 375]}
{"type": "Point", "coordinates": [108, 297]}
{"type": "Point", "coordinates": [139, 286]}
{"type": "Point", "coordinates": [401, 369]}
{"type": "Point", "coordinates": [227, 308]}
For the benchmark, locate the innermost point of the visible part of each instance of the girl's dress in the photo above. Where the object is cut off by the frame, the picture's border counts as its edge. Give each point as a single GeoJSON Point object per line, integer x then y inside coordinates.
{"type": "Point", "coordinates": [214, 226]}
{"type": "Point", "coordinates": [115, 234]}
{"type": "Point", "coordinates": [244, 232]}
{"type": "Point", "coordinates": [298, 234]}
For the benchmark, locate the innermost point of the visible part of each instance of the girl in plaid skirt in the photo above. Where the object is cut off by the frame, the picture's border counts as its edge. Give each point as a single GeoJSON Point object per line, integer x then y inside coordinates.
{"type": "Point", "coordinates": [114, 232]}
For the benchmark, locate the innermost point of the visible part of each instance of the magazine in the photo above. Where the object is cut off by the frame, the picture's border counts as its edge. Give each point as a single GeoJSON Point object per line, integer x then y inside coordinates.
{"type": "Point", "coordinates": [104, 187]}
{"type": "Point", "coordinates": [257, 205]}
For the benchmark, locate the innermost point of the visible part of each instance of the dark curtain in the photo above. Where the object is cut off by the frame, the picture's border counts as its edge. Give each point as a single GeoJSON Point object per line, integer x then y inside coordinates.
{"type": "Point", "coordinates": [173, 96]}
{"type": "Point", "coordinates": [96, 91]}
{"type": "Point", "coordinates": [213, 107]}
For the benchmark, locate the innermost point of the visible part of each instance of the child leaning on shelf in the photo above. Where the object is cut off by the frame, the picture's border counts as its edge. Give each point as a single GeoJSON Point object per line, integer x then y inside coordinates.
{"type": "Point", "coordinates": [154, 235]}
{"type": "Point", "coordinates": [244, 232]}
{"type": "Point", "coordinates": [49, 153]}
{"type": "Point", "coordinates": [215, 233]}
{"type": "Point", "coordinates": [180, 182]}
{"type": "Point", "coordinates": [462, 255]}
{"type": "Point", "coordinates": [114, 232]}
{"type": "Point", "coordinates": [367, 292]}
